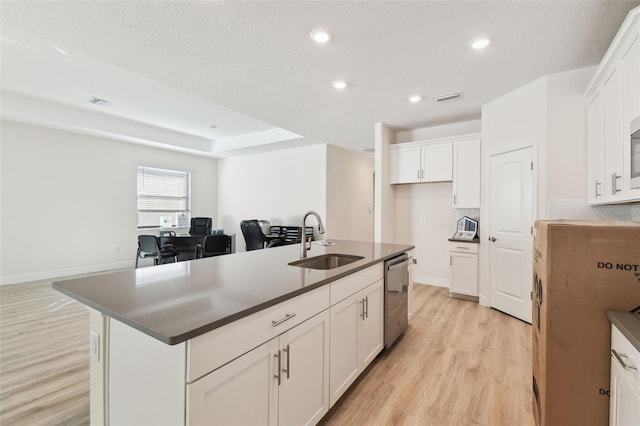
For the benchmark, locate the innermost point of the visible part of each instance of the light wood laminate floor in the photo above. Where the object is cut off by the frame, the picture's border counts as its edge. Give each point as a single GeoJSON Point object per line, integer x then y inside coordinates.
{"type": "Point", "coordinates": [457, 364]}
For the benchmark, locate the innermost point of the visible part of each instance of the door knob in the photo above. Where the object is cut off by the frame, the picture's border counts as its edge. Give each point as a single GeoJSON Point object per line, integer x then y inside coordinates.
{"type": "Point", "coordinates": [492, 239]}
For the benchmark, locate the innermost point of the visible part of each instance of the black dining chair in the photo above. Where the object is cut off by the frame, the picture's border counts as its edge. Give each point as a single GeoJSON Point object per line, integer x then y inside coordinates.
{"type": "Point", "coordinates": [252, 232]}
{"type": "Point", "coordinates": [214, 245]}
{"type": "Point", "coordinates": [149, 246]}
{"type": "Point", "coordinates": [201, 226]}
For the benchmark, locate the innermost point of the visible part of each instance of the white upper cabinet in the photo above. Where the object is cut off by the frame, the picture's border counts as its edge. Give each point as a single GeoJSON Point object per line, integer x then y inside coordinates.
{"type": "Point", "coordinates": [405, 164]}
{"type": "Point", "coordinates": [434, 161]}
{"type": "Point", "coordinates": [613, 97]}
{"type": "Point", "coordinates": [437, 161]}
{"type": "Point", "coordinates": [596, 149]}
{"type": "Point", "coordinates": [415, 162]}
{"type": "Point", "coordinates": [466, 173]}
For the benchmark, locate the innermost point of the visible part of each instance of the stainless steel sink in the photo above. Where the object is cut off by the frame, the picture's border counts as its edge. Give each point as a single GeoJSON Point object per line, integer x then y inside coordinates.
{"type": "Point", "coordinates": [326, 261]}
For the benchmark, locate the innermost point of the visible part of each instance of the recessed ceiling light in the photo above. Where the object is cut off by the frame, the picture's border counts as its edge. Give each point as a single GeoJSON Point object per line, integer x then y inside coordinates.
{"type": "Point", "coordinates": [61, 51]}
{"type": "Point", "coordinates": [415, 98]}
{"type": "Point", "coordinates": [320, 35]}
{"type": "Point", "coordinates": [340, 84]}
{"type": "Point", "coordinates": [480, 43]}
{"type": "Point", "coordinates": [213, 126]}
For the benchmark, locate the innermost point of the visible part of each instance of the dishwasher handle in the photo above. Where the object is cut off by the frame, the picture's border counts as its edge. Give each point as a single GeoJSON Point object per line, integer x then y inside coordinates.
{"type": "Point", "coordinates": [398, 265]}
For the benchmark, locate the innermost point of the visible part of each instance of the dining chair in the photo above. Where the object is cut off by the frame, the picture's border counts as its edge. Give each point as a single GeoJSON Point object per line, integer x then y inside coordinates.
{"type": "Point", "coordinates": [149, 246]}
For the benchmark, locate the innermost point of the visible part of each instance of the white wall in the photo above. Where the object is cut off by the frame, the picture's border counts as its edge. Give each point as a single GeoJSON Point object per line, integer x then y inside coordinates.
{"type": "Point", "coordinates": [384, 193]}
{"type": "Point", "coordinates": [349, 194]}
{"type": "Point", "coordinates": [566, 150]}
{"type": "Point", "coordinates": [279, 186]}
{"type": "Point", "coordinates": [442, 131]}
{"type": "Point", "coordinates": [551, 113]}
{"type": "Point", "coordinates": [69, 200]}
{"type": "Point", "coordinates": [430, 202]}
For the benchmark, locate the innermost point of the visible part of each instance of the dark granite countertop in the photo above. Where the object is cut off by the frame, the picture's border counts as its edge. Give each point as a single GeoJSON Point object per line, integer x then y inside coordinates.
{"type": "Point", "coordinates": [179, 301]}
{"type": "Point", "coordinates": [459, 240]}
{"type": "Point", "coordinates": [628, 323]}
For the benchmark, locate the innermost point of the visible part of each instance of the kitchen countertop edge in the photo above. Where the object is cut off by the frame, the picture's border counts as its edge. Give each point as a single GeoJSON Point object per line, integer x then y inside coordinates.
{"type": "Point", "coordinates": [628, 324]}
{"type": "Point", "coordinates": [182, 337]}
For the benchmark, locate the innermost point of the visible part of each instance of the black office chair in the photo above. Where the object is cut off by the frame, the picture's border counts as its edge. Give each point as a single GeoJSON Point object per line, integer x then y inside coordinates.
{"type": "Point", "coordinates": [201, 226]}
{"type": "Point", "coordinates": [214, 245]}
{"type": "Point", "coordinates": [149, 246]}
{"type": "Point", "coordinates": [253, 237]}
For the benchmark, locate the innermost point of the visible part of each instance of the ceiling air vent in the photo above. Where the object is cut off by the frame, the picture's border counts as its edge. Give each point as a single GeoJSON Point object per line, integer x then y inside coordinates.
{"type": "Point", "coordinates": [97, 101]}
{"type": "Point", "coordinates": [447, 97]}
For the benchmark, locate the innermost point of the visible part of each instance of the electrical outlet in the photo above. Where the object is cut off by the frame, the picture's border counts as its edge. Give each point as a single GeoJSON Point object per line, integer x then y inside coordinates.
{"type": "Point", "coordinates": [415, 261]}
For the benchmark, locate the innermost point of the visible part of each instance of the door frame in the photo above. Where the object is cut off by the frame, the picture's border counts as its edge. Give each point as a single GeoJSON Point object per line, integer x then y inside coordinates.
{"type": "Point", "coordinates": [485, 215]}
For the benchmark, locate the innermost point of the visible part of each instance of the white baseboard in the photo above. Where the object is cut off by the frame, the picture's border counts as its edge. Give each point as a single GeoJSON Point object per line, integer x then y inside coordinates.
{"type": "Point", "coordinates": [64, 273]}
{"type": "Point", "coordinates": [425, 279]}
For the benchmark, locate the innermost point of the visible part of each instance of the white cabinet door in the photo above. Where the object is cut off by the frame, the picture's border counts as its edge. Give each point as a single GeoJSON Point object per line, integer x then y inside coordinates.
{"type": "Point", "coordinates": [304, 381]}
{"type": "Point", "coordinates": [596, 181]}
{"type": "Point", "coordinates": [356, 336]}
{"type": "Point", "coordinates": [466, 174]}
{"type": "Point", "coordinates": [437, 162]}
{"type": "Point", "coordinates": [344, 345]}
{"type": "Point", "coordinates": [631, 107]}
{"type": "Point", "coordinates": [624, 405]}
{"type": "Point", "coordinates": [242, 392]}
{"type": "Point", "coordinates": [613, 158]}
{"type": "Point", "coordinates": [463, 273]}
{"type": "Point", "coordinates": [370, 338]}
{"type": "Point", "coordinates": [404, 164]}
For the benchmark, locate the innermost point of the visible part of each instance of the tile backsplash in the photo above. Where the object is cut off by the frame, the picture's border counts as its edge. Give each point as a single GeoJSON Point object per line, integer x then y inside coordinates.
{"type": "Point", "coordinates": [578, 209]}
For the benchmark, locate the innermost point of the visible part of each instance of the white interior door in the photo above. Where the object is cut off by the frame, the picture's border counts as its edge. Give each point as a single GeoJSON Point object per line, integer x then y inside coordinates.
{"type": "Point", "coordinates": [511, 231]}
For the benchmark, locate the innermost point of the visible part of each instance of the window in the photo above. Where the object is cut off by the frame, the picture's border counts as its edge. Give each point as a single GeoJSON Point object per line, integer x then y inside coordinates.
{"type": "Point", "coordinates": [163, 194]}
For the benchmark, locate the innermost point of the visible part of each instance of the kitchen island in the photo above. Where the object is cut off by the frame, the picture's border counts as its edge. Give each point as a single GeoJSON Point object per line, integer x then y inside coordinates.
{"type": "Point", "coordinates": [245, 338]}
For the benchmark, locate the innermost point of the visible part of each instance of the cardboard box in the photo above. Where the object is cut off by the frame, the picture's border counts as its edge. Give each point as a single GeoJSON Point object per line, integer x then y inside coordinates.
{"type": "Point", "coordinates": [581, 269]}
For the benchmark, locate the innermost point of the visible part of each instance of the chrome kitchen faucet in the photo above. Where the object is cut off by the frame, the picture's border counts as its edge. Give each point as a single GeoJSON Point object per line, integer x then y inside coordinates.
{"type": "Point", "coordinates": [303, 235]}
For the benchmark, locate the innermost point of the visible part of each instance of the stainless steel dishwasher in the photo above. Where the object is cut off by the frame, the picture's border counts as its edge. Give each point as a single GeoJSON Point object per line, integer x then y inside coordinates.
{"type": "Point", "coordinates": [396, 298]}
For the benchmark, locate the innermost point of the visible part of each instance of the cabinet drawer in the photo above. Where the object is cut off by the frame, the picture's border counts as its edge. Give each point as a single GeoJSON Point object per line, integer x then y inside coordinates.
{"type": "Point", "coordinates": [463, 247]}
{"type": "Point", "coordinates": [211, 350]}
{"type": "Point", "coordinates": [345, 287]}
{"type": "Point", "coordinates": [629, 355]}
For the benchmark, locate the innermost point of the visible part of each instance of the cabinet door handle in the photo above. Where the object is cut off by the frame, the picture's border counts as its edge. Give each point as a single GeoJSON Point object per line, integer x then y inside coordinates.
{"type": "Point", "coordinates": [597, 193]}
{"type": "Point", "coordinates": [288, 351]}
{"type": "Point", "coordinates": [622, 363]}
{"type": "Point", "coordinates": [614, 183]}
{"type": "Point", "coordinates": [279, 375]}
{"type": "Point", "coordinates": [363, 315]}
{"type": "Point", "coordinates": [287, 317]}
{"type": "Point", "coordinates": [492, 239]}
{"type": "Point", "coordinates": [455, 199]}
{"type": "Point", "coordinates": [366, 304]}
{"type": "Point", "coordinates": [418, 174]}
{"type": "Point", "coordinates": [462, 248]}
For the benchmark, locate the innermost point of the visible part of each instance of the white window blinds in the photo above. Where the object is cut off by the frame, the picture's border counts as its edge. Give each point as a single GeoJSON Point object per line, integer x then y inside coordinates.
{"type": "Point", "coordinates": [161, 192]}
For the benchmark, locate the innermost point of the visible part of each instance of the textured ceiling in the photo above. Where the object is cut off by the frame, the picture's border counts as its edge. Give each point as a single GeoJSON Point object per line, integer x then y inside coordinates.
{"type": "Point", "coordinates": [256, 58]}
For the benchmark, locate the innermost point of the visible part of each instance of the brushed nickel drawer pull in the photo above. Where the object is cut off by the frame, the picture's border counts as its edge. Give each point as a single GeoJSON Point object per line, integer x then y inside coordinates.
{"type": "Point", "coordinates": [619, 358]}
{"type": "Point", "coordinates": [287, 317]}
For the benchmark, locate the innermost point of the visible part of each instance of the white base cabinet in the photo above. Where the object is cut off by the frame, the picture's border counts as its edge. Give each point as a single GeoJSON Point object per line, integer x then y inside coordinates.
{"type": "Point", "coordinates": [356, 336]}
{"type": "Point", "coordinates": [284, 365]}
{"type": "Point", "coordinates": [463, 269]}
{"type": "Point", "coordinates": [624, 402]}
{"type": "Point", "coordinates": [284, 381]}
